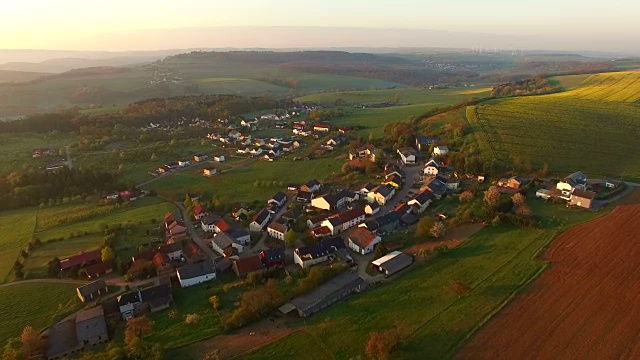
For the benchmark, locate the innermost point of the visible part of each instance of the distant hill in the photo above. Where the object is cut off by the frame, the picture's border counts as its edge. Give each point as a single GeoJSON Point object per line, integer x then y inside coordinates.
{"type": "Point", "coordinates": [67, 64]}
{"type": "Point", "coordinates": [10, 76]}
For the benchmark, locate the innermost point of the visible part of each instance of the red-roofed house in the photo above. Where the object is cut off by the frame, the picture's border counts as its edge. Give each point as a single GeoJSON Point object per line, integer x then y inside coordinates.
{"type": "Point", "coordinates": [81, 260]}
{"type": "Point", "coordinates": [99, 269]}
{"type": "Point", "coordinates": [168, 219]}
{"type": "Point", "coordinates": [199, 212]}
{"type": "Point", "coordinates": [177, 232]}
{"type": "Point", "coordinates": [321, 232]}
{"type": "Point", "coordinates": [244, 266]}
{"type": "Point", "coordinates": [362, 241]}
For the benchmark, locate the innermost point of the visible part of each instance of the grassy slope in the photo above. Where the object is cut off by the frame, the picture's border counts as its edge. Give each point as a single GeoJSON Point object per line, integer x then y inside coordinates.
{"type": "Point", "coordinates": [33, 304]}
{"type": "Point", "coordinates": [407, 95]}
{"type": "Point", "coordinates": [16, 228]}
{"type": "Point", "coordinates": [569, 82]}
{"type": "Point", "coordinates": [495, 262]}
{"type": "Point", "coordinates": [580, 129]}
{"type": "Point", "coordinates": [16, 149]}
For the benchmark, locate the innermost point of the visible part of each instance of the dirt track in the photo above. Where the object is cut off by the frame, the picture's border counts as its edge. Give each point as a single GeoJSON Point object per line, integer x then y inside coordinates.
{"type": "Point", "coordinates": [452, 238]}
{"type": "Point", "coordinates": [584, 306]}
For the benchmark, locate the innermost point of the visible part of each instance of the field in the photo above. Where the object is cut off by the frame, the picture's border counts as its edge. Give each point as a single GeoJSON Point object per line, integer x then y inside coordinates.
{"type": "Point", "coordinates": [16, 228]}
{"type": "Point", "coordinates": [33, 304]}
{"type": "Point", "coordinates": [495, 262]}
{"type": "Point", "coordinates": [584, 306]}
{"type": "Point", "coordinates": [581, 129]}
{"type": "Point", "coordinates": [16, 149]}
{"type": "Point", "coordinates": [433, 97]}
{"type": "Point", "coordinates": [569, 82]}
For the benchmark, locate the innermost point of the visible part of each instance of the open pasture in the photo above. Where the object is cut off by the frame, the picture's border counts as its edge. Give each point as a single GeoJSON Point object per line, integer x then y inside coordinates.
{"type": "Point", "coordinates": [589, 292]}
{"type": "Point", "coordinates": [16, 227]}
{"type": "Point", "coordinates": [618, 86]}
{"type": "Point", "coordinates": [433, 97]}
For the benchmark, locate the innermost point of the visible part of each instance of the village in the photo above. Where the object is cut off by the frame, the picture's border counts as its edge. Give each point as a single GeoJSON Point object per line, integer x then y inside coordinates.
{"type": "Point", "coordinates": [302, 226]}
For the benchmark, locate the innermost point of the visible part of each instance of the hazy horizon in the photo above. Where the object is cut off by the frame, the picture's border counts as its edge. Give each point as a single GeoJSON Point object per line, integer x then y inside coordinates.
{"type": "Point", "coordinates": [151, 25]}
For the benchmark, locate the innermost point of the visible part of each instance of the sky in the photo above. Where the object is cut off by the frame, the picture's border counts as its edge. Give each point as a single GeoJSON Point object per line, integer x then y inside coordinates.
{"type": "Point", "coordinates": [118, 25]}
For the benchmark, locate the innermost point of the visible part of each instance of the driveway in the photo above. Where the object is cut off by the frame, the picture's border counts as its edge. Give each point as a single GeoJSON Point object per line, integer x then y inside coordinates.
{"type": "Point", "coordinates": [194, 234]}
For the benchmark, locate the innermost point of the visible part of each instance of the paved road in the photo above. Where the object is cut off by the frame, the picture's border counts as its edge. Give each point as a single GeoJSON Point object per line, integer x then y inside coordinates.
{"type": "Point", "coordinates": [261, 245]}
{"type": "Point", "coordinates": [194, 234]}
{"type": "Point", "coordinates": [412, 175]}
{"type": "Point", "coordinates": [116, 280]}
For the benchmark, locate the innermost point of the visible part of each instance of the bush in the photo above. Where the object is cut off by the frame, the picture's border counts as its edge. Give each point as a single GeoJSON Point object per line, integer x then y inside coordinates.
{"type": "Point", "coordinates": [191, 319]}
{"type": "Point", "coordinates": [441, 249]}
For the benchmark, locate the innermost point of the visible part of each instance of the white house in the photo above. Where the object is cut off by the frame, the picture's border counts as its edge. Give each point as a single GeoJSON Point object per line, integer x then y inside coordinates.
{"type": "Point", "coordinates": [577, 180]}
{"type": "Point", "coordinates": [260, 221]}
{"type": "Point", "coordinates": [407, 155]}
{"type": "Point", "coordinates": [344, 221]}
{"type": "Point", "coordinates": [218, 158]}
{"type": "Point", "coordinates": [363, 241]}
{"type": "Point", "coordinates": [277, 230]}
{"type": "Point", "coordinates": [421, 201]}
{"type": "Point", "coordinates": [381, 194]}
{"type": "Point", "coordinates": [279, 198]}
{"type": "Point", "coordinates": [184, 163]}
{"type": "Point", "coordinates": [334, 201]}
{"type": "Point", "coordinates": [372, 209]}
{"type": "Point", "coordinates": [440, 150]}
{"type": "Point", "coordinates": [317, 253]}
{"type": "Point", "coordinates": [432, 167]}
{"type": "Point", "coordinates": [198, 273]}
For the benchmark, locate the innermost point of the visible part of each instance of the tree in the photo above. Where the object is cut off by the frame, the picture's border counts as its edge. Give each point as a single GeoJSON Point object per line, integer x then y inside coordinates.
{"type": "Point", "coordinates": [346, 168]}
{"type": "Point", "coordinates": [466, 196]}
{"type": "Point", "coordinates": [32, 343]}
{"type": "Point", "coordinates": [213, 355]}
{"type": "Point", "coordinates": [424, 253]}
{"type": "Point", "coordinates": [137, 328]}
{"type": "Point", "coordinates": [518, 199]}
{"type": "Point", "coordinates": [379, 251]}
{"type": "Point", "coordinates": [377, 347]}
{"type": "Point", "coordinates": [442, 249]}
{"type": "Point", "coordinates": [424, 227]}
{"type": "Point", "coordinates": [107, 254]}
{"type": "Point", "coordinates": [214, 300]}
{"type": "Point", "coordinates": [437, 230]}
{"type": "Point", "coordinates": [290, 238]}
{"type": "Point", "coordinates": [523, 210]}
{"type": "Point", "coordinates": [187, 201]}
{"type": "Point", "coordinates": [460, 288]}
{"type": "Point", "coordinates": [492, 197]}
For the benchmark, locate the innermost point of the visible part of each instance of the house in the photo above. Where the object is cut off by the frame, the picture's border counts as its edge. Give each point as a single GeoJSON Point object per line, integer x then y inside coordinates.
{"type": "Point", "coordinates": [304, 196]}
{"type": "Point", "coordinates": [177, 231]}
{"type": "Point", "coordinates": [99, 269]}
{"type": "Point", "coordinates": [407, 155]}
{"type": "Point", "coordinates": [321, 127]}
{"type": "Point", "coordinates": [321, 232]}
{"type": "Point", "coordinates": [151, 299]}
{"type": "Point", "coordinates": [184, 163]}
{"type": "Point", "coordinates": [424, 142]}
{"type": "Point", "coordinates": [402, 209]}
{"type": "Point", "coordinates": [279, 198]}
{"type": "Point", "coordinates": [219, 158]}
{"type": "Point", "coordinates": [172, 250]}
{"type": "Point", "coordinates": [432, 167]}
{"type": "Point", "coordinates": [334, 201]}
{"type": "Point", "coordinates": [244, 266]}
{"type": "Point", "coordinates": [421, 202]}
{"type": "Point", "coordinates": [81, 260]}
{"type": "Point", "coordinates": [91, 327]}
{"type": "Point", "coordinates": [362, 240]}
{"type": "Point", "coordinates": [278, 229]}
{"type": "Point", "coordinates": [408, 219]}
{"type": "Point", "coordinates": [208, 223]}
{"type": "Point", "coordinates": [192, 274]}
{"type": "Point", "coordinates": [234, 134]}
{"type": "Point", "coordinates": [437, 187]}
{"type": "Point", "coordinates": [200, 158]}
{"type": "Point", "coordinates": [577, 180]}
{"type": "Point", "coordinates": [63, 340]}
{"type": "Point", "coordinates": [326, 294]}
{"type": "Point", "coordinates": [260, 220]}
{"type": "Point", "coordinates": [582, 198]}
{"type": "Point", "coordinates": [199, 211]}
{"type": "Point", "coordinates": [222, 244]}
{"type": "Point", "coordinates": [344, 220]}
{"type": "Point", "coordinates": [162, 264]}
{"type": "Point", "coordinates": [209, 171]}
{"type": "Point", "coordinates": [393, 168]}
{"type": "Point", "coordinates": [238, 210]}
{"type": "Point", "coordinates": [440, 150]}
{"type": "Point", "coordinates": [315, 221]}
{"type": "Point", "coordinates": [381, 194]}
{"type": "Point", "coordinates": [92, 290]}
{"type": "Point", "coordinates": [307, 256]}
{"type": "Point", "coordinates": [239, 236]}
{"type": "Point", "coordinates": [372, 209]}
{"type": "Point", "coordinates": [335, 141]}
{"type": "Point", "coordinates": [272, 257]}
{"type": "Point", "coordinates": [365, 189]}
{"type": "Point", "coordinates": [394, 180]}
{"type": "Point", "coordinates": [367, 152]}
{"type": "Point", "coordinates": [311, 186]}
{"type": "Point", "coordinates": [514, 182]}
{"type": "Point", "coordinates": [392, 263]}
{"type": "Point", "coordinates": [388, 222]}
{"type": "Point", "coordinates": [291, 215]}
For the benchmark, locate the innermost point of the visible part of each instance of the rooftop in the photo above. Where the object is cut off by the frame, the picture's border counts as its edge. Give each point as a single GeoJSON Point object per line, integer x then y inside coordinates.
{"type": "Point", "coordinates": [362, 237]}
{"type": "Point", "coordinates": [337, 285]}
{"type": "Point", "coordinates": [190, 271]}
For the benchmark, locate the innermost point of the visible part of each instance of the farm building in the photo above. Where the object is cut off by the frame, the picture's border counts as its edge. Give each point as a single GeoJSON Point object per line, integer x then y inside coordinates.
{"type": "Point", "coordinates": [440, 151]}
{"type": "Point", "coordinates": [392, 263]}
{"type": "Point", "coordinates": [92, 290]}
{"type": "Point", "coordinates": [314, 254]}
{"type": "Point", "coordinates": [326, 294]}
{"type": "Point", "coordinates": [577, 180]}
{"type": "Point", "coordinates": [582, 198]}
{"type": "Point", "coordinates": [362, 240]}
{"type": "Point", "coordinates": [192, 274]}
{"type": "Point", "coordinates": [544, 194]}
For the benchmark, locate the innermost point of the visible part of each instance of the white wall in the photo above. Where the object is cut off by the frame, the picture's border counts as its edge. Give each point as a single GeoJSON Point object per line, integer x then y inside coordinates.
{"type": "Point", "coordinates": [197, 280]}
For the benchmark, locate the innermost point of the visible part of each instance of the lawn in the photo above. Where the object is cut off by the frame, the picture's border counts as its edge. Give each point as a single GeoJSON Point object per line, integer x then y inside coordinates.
{"type": "Point", "coordinates": [35, 304]}
{"type": "Point", "coordinates": [561, 129]}
{"type": "Point", "coordinates": [16, 228]}
{"type": "Point", "coordinates": [495, 263]}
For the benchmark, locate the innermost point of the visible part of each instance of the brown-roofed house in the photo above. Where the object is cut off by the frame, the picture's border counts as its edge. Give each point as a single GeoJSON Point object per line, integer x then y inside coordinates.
{"type": "Point", "coordinates": [91, 327]}
{"type": "Point", "coordinates": [242, 267]}
{"type": "Point", "coordinates": [362, 241]}
{"type": "Point", "coordinates": [99, 269]}
{"type": "Point", "coordinates": [162, 263]}
{"type": "Point", "coordinates": [582, 198]}
{"type": "Point", "coordinates": [81, 260]}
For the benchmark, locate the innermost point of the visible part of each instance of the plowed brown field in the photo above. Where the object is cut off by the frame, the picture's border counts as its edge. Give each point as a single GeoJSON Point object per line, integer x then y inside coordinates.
{"type": "Point", "coordinates": [586, 305]}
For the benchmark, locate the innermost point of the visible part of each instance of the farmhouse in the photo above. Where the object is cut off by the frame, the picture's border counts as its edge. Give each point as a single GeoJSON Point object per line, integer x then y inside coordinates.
{"type": "Point", "coordinates": [424, 142]}
{"type": "Point", "coordinates": [99, 269]}
{"type": "Point", "coordinates": [327, 294]}
{"type": "Point", "coordinates": [362, 241]}
{"type": "Point", "coordinates": [514, 182]}
{"type": "Point", "coordinates": [278, 229]}
{"type": "Point", "coordinates": [407, 155]}
{"type": "Point", "coordinates": [222, 244]}
{"type": "Point", "coordinates": [307, 256]}
{"type": "Point", "coordinates": [381, 194]}
{"type": "Point", "coordinates": [243, 267]}
{"type": "Point", "coordinates": [440, 151]}
{"type": "Point", "coordinates": [83, 259]}
{"type": "Point", "coordinates": [582, 198]}
{"type": "Point", "coordinates": [151, 299]}
{"type": "Point", "coordinates": [192, 274]}
{"type": "Point", "coordinates": [260, 220]}
{"type": "Point", "coordinates": [304, 196]}
{"type": "Point", "coordinates": [311, 186]}
{"type": "Point", "coordinates": [421, 201]}
{"type": "Point", "coordinates": [172, 250]}
{"type": "Point", "coordinates": [432, 167]}
{"type": "Point", "coordinates": [321, 127]}
{"type": "Point", "coordinates": [367, 152]}
{"type": "Point", "coordinates": [392, 263]}
{"type": "Point", "coordinates": [92, 290]}
{"type": "Point", "coordinates": [334, 201]}
{"type": "Point", "coordinates": [577, 180]}
{"type": "Point", "coordinates": [279, 198]}
{"type": "Point", "coordinates": [345, 220]}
